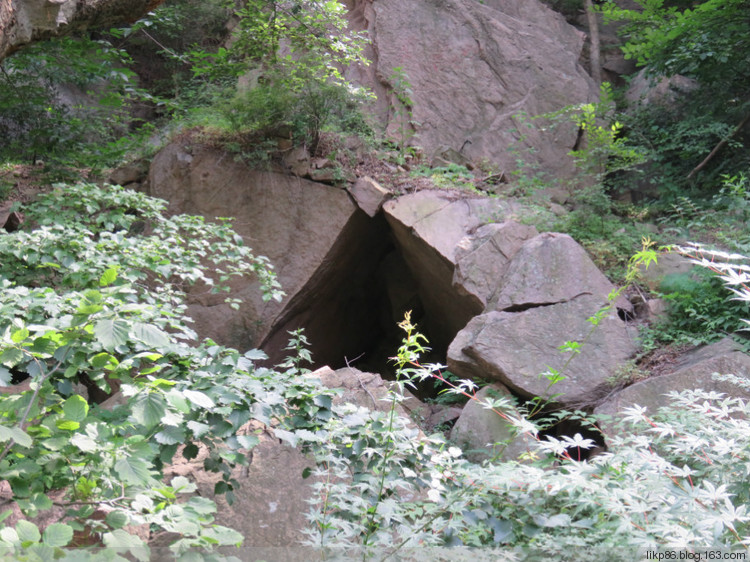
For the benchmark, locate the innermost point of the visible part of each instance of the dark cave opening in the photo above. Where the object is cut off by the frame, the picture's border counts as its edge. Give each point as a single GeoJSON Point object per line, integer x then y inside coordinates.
{"type": "Point", "coordinates": [351, 309]}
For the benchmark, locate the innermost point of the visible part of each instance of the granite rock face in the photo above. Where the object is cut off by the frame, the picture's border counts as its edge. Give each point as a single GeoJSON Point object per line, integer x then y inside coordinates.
{"type": "Point", "coordinates": [474, 69]}
{"type": "Point", "coordinates": [517, 349]}
{"type": "Point", "coordinates": [693, 371]}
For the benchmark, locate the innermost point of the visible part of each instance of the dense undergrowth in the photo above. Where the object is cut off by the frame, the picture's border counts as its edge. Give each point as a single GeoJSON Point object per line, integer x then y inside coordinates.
{"type": "Point", "coordinates": [93, 298]}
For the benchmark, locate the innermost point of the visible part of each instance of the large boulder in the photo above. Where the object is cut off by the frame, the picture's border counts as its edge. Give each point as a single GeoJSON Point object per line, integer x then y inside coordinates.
{"type": "Point", "coordinates": [484, 433]}
{"type": "Point", "coordinates": [474, 69]}
{"type": "Point", "coordinates": [547, 269]}
{"type": "Point", "coordinates": [518, 348]}
{"type": "Point", "coordinates": [482, 259]}
{"type": "Point", "coordinates": [694, 370]}
{"type": "Point", "coordinates": [323, 248]}
{"type": "Point", "coordinates": [429, 227]}
{"type": "Point", "coordinates": [545, 297]}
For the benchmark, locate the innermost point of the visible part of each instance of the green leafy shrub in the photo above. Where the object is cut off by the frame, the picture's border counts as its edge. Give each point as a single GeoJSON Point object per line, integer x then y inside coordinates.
{"type": "Point", "coordinates": [450, 176]}
{"type": "Point", "coordinates": [708, 42]}
{"type": "Point", "coordinates": [36, 120]}
{"type": "Point", "coordinates": [93, 300]}
{"type": "Point", "coordinates": [292, 54]}
{"type": "Point", "coordinates": [609, 239]}
{"type": "Point", "coordinates": [689, 494]}
{"type": "Point", "coordinates": [699, 311]}
{"type": "Point", "coordinates": [271, 109]}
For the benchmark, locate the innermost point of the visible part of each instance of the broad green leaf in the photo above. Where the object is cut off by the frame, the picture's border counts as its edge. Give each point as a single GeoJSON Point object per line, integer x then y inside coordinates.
{"type": "Point", "coordinates": [182, 485]}
{"type": "Point", "coordinates": [170, 435]}
{"type": "Point", "coordinates": [198, 429]}
{"type": "Point", "coordinates": [28, 532]}
{"type": "Point", "coordinates": [224, 535]}
{"type": "Point", "coordinates": [142, 503]}
{"type": "Point", "coordinates": [256, 355]}
{"type": "Point", "coordinates": [117, 519]}
{"type": "Point", "coordinates": [57, 534]}
{"type": "Point", "coordinates": [11, 357]}
{"type": "Point", "coordinates": [133, 470]}
{"type": "Point", "coordinates": [90, 303]}
{"type": "Point", "coordinates": [248, 441]}
{"type": "Point", "coordinates": [287, 436]}
{"type": "Point", "coordinates": [84, 443]}
{"type": "Point", "coordinates": [204, 506]}
{"type": "Point", "coordinates": [5, 376]}
{"type": "Point", "coordinates": [75, 408]}
{"type": "Point", "coordinates": [150, 335]}
{"type": "Point", "coordinates": [323, 400]}
{"type": "Point", "coordinates": [149, 408]}
{"type": "Point", "coordinates": [122, 539]}
{"type": "Point", "coordinates": [502, 530]}
{"type": "Point", "coordinates": [68, 425]}
{"type": "Point", "coordinates": [55, 443]}
{"type": "Point", "coordinates": [41, 501]}
{"type": "Point", "coordinates": [198, 398]}
{"type": "Point", "coordinates": [111, 333]}
{"type": "Point", "coordinates": [19, 335]}
{"type": "Point", "coordinates": [16, 434]}
{"type": "Point", "coordinates": [108, 277]}
{"type": "Point", "coordinates": [103, 360]}
{"type": "Point", "coordinates": [9, 535]}
{"type": "Point", "coordinates": [178, 401]}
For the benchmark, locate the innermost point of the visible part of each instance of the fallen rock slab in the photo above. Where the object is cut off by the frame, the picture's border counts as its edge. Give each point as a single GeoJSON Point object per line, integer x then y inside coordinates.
{"type": "Point", "coordinates": [693, 371]}
{"type": "Point", "coordinates": [428, 227]}
{"type": "Point", "coordinates": [369, 195]}
{"type": "Point", "coordinates": [483, 433]}
{"type": "Point", "coordinates": [482, 258]}
{"type": "Point", "coordinates": [547, 269]}
{"type": "Point", "coordinates": [517, 349]}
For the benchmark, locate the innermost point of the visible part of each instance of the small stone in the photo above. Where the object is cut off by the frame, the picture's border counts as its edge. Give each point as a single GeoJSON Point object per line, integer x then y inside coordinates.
{"type": "Point", "coordinates": [369, 195]}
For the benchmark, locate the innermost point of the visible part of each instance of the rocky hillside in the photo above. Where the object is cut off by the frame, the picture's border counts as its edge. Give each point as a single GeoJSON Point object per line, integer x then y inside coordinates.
{"type": "Point", "coordinates": [488, 200]}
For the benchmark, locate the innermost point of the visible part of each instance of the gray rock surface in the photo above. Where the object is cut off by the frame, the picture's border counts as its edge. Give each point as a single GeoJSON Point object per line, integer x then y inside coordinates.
{"type": "Point", "coordinates": [24, 21]}
{"type": "Point", "coordinates": [313, 234]}
{"type": "Point", "coordinates": [474, 68]}
{"type": "Point", "coordinates": [369, 195]}
{"type": "Point", "coordinates": [428, 227]}
{"type": "Point", "coordinates": [693, 371]}
{"type": "Point", "coordinates": [482, 258]}
{"type": "Point", "coordinates": [483, 433]}
{"type": "Point", "coordinates": [549, 268]}
{"type": "Point", "coordinates": [517, 348]}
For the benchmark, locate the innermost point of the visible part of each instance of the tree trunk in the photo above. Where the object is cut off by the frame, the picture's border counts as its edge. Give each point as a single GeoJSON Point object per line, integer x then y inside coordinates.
{"type": "Point", "coordinates": [25, 21]}
{"type": "Point", "coordinates": [596, 65]}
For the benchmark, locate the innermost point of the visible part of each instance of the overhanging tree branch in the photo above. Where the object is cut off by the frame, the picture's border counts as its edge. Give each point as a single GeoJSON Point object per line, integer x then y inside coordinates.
{"type": "Point", "coordinates": [718, 147]}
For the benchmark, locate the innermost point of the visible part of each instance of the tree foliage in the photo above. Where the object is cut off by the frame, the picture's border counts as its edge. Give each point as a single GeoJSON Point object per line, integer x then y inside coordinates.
{"type": "Point", "coordinates": [709, 41]}
{"type": "Point", "coordinates": [65, 96]}
{"type": "Point", "coordinates": [703, 129]}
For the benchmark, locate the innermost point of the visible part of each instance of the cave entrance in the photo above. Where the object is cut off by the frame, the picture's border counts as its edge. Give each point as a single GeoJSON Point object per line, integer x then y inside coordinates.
{"type": "Point", "coordinates": [351, 308]}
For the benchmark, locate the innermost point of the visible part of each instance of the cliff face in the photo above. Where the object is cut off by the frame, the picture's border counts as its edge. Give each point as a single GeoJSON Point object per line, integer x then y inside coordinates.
{"type": "Point", "coordinates": [24, 21]}
{"type": "Point", "coordinates": [474, 70]}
